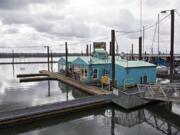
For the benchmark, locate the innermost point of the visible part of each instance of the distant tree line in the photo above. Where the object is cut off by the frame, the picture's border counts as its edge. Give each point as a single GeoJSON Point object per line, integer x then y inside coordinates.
{"type": "Point", "coordinates": [17, 55]}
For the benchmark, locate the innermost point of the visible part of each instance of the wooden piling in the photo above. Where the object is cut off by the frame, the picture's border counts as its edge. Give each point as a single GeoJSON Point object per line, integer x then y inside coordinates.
{"type": "Point", "coordinates": [48, 57]}
{"type": "Point", "coordinates": [113, 56]}
{"type": "Point", "coordinates": [140, 48]}
{"type": "Point", "coordinates": [172, 47]}
{"type": "Point", "coordinates": [66, 49]}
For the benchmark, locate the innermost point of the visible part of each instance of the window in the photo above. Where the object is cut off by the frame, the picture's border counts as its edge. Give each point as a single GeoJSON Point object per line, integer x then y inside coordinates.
{"type": "Point", "coordinates": [95, 74]}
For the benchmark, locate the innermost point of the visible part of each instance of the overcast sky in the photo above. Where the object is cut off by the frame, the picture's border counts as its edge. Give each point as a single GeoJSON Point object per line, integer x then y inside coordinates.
{"type": "Point", "coordinates": [80, 22]}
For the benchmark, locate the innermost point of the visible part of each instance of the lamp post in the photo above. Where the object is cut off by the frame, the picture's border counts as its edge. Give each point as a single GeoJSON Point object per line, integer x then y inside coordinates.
{"type": "Point", "coordinates": [144, 27]}
{"type": "Point", "coordinates": [172, 43]}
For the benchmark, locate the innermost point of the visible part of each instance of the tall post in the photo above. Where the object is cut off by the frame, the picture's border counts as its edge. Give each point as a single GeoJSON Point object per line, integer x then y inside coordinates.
{"type": "Point", "coordinates": [13, 56]}
{"type": "Point", "coordinates": [66, 49]}
{"type": "Point", "coordinates": [132, 53]}
{"type": "Point", "coordinates": [48, 57]}
{"type": "Point", "coordinates": [172, 47]}
{"type": "Point", "coordinates": [143, 39]}
{"type": "Point", "coordinates": [51, 61]}
{"type": "Point", "coordinates": [140, 48]}
{"type": "Point", "coordinates": [90, 49]}
{"type": "Point", "coordinates": [110, 48]}
{"type": "Point", "coordinates": [113, 56]}
{"type": "Point", "coordinates": [158, 34]}
{"type": "Point", "coordinates": [87, 50]}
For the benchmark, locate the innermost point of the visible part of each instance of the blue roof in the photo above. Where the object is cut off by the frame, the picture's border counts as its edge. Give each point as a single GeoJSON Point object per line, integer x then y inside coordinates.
{"type": "Point", "coordinates": [85, 60]}
{"type": "Point", "coordinates": [130, 64]}
{"type": "Point", "coordinates": [62, 60]}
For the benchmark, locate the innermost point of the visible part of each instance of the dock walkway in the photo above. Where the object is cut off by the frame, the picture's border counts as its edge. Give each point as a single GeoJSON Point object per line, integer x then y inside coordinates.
{"type": "Point", "coordinates": [77, 84]}
{"type": "Point", "coordinates": [33, 113]}
{"type": "Point", "coordinates": [162, 92]}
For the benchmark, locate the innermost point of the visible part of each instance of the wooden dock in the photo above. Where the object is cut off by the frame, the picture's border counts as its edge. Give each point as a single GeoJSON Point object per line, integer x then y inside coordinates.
{"type": "Point", "coordinates": [76, 83]}
{"type": "Point", "coordinates": [50, 110]}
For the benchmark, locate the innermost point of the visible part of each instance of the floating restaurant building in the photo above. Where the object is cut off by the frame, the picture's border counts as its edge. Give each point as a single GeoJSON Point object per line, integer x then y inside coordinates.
{"type": "Point", "coordinates": [97, 68]}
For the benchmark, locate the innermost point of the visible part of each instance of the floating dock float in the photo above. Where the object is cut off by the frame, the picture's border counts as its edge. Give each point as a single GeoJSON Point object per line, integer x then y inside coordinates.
{"type": "Point", "coordinates": [32, 79]}
{"type": "Point", "coordinates": [29, 75]}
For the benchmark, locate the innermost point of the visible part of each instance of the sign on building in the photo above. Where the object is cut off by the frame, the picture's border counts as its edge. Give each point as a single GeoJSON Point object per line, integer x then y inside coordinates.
{"type": "Point", "coordinates": [99, 45]}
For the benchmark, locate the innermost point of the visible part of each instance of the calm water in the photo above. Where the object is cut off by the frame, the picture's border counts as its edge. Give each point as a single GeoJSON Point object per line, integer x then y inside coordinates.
{"type": "Point", "coordinates": [156, 119]}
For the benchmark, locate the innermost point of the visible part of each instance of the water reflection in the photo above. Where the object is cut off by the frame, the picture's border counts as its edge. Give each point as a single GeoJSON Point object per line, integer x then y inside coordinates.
{"type": "Point", "coordinates": [152, 120]}
{"type": "Point", "coordinates": [15, 95]}
{"type": "Point", "coordinates": [105, 121]}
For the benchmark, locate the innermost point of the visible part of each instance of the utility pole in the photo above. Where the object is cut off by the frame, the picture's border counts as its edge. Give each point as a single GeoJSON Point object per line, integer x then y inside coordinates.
{"type": "Point", "coordinates": [113, 56]}
{"type": "Point", "coordinates": [158, 34]}
{"type": "Point", "coordinates": [66, 49]}
{"type": "Point", "coordinates": [143, 38]}
{"type": "Point", "coordinates": [172, 46]}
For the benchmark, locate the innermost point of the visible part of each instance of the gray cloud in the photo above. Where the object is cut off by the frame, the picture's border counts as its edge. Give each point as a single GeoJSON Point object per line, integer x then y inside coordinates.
{"type": "Point", "coordinates": [48, 20]}
{"type": "Point", "coordinates": [15, 4]}
{"type": "Point", "coordinates": [66, 27]}
{"type": "Point", "coordinates": [156, 3]}
{"type": "Point", "coordinates": [12, 31]}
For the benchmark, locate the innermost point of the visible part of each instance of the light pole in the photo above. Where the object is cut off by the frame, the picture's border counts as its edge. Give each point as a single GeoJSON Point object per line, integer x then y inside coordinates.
{"type": "Point", "coordinates": [158, 34]}
{"type": "Point", "coordinates": [172, 43]}
{"type": "Point", "coordinates": [144, 37]}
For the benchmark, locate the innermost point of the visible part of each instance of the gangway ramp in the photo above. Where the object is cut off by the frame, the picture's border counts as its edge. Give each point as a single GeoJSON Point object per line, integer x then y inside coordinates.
{"type": "Point", "coordinates": [163, 92]}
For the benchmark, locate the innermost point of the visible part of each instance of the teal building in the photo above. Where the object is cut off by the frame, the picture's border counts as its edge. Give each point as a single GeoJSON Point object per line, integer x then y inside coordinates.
{"type": "Point", "coordinates": [90, 69]}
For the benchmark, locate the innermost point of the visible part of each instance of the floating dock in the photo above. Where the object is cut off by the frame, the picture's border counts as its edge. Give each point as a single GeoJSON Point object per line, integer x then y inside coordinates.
{"type": "Point", "coordinates": [75, 83]}
{"type": "Point", "coordinates": [128, 99]}
{"type": "Point", "coordinates": [49, 110]}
